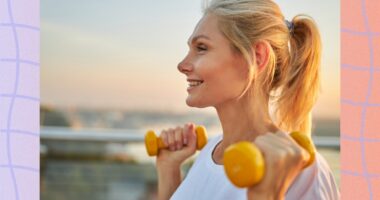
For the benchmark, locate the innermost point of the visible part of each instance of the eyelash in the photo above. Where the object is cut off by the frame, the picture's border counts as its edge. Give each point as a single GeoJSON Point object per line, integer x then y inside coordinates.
{"type": "Point", "coordinates": [201, 48]}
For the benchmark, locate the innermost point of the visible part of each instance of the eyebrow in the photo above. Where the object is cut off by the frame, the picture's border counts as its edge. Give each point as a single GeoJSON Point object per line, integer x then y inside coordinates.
{"type": "Point", "coordinates": [198, 37]}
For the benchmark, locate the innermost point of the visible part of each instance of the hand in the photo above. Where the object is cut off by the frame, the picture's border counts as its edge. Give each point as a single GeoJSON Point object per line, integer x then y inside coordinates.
{"type": "Point", "coordinates": [181, 144]}
{"type": "Point", "coordinates": [284, 160]}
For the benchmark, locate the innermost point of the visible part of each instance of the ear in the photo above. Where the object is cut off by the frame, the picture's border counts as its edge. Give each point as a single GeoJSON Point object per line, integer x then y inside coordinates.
{"type": "Point", "coordinates": [261, 51]}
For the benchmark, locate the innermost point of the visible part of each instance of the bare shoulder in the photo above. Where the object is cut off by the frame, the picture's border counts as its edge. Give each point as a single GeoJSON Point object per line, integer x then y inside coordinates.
{"type": "Point", "coordinates": [315, 182]}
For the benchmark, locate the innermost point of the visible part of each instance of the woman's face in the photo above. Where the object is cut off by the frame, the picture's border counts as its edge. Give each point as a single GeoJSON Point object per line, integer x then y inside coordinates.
{"type": "Point", "coordinates": [216, 74]}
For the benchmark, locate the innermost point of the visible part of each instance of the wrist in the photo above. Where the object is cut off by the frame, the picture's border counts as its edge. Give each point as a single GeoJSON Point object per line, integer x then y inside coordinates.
{"type": "Point", "coordinates": [171, 165]}
{"type": "Point", "coordinates": [169, 178]}
{"type": "Point", "coordinates": [264, 195]}
{"type": "Point", "coordinates": [169, 170]}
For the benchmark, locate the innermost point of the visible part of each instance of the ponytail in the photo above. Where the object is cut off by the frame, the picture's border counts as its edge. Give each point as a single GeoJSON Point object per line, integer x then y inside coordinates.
{"type": "Point", "coordinates": [291, 78]}
{"type": "Point", "coordinates": [300, 76]}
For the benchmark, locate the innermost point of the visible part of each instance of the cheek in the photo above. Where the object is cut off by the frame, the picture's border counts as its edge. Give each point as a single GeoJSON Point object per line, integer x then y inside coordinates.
{"type": "Point", "coordinates": [227, 85]}
{"type": "Point", "coordinates": [225, 78]}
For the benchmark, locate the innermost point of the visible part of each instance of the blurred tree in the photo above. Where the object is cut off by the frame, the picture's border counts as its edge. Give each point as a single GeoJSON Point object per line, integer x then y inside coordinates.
{"type": "Point", "coordinates": [52, 117]}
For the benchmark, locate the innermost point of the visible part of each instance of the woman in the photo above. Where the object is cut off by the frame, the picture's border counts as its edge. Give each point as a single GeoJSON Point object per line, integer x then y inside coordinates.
{"type": "Point", "coordinates": [244, 60]}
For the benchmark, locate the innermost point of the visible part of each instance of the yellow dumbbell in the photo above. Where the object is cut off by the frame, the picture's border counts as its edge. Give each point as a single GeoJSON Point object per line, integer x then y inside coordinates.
{"type": "Point", "coordinates": [244, 163]}
{"type": "Point", "coordinates": [154, 143]}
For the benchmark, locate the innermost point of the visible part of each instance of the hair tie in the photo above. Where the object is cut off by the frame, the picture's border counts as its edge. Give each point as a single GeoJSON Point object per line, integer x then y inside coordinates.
{"type": "Point", "coordinates": [290, 26]}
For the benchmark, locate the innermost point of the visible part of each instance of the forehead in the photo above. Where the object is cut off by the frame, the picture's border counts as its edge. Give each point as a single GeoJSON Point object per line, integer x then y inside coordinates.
{"type": "Point", "coordinates": [207, 26]}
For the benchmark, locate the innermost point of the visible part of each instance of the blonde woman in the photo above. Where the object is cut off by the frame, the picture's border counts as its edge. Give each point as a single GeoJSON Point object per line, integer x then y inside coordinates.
{"type": "Point", "coordinates": [243, 56]}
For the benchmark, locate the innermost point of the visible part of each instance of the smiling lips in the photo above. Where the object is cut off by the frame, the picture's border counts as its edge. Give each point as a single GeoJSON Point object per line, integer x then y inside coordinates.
{"type": "Point", "coordinates": [194, 83]}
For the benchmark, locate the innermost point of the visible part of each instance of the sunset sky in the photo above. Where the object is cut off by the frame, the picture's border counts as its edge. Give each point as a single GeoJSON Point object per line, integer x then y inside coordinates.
{"type": "Point", "coordinates": [123, 54]}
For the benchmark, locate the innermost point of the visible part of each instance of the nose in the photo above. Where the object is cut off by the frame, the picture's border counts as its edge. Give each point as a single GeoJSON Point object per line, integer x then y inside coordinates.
{"type": "Point", "coordinates": [184, 67]}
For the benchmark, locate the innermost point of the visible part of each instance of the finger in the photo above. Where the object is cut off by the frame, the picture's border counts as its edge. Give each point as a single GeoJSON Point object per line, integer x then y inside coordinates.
{"type": "Point", "coordinates": [296, 150]}
{"type": "Point", "coordinates": [178, 137]}
{"type": "Point", "coordinates": [278, 140]}
{"type": "Point", "coordinates": [263, 142]}
{"type": "Point", "coordinates": [191, 136]}
{"type": "Point", "coordinates": [273, 149]}
{"type": "Point", "coordinates": [171, 139]}
{"type": "Point", "coordinates": [268, 140]}
{"type": "Point", "coordinates": [280, 147]}
{"type": "Point", "coordinates": [185, 133]}
{"type": "Point", "coordinates": [164, 137]}
{"type": "Point", "coordinates": [267, 148]}
{"type": "Point", "coordinates": [284, 136]}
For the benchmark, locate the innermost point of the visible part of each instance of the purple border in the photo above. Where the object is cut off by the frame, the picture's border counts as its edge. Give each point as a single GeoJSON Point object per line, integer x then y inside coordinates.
{"type": "Point", "coordinates": [19, 99]}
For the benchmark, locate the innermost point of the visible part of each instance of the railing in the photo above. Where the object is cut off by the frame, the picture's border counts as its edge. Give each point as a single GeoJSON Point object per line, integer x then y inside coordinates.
{"type": "Point", "coordinates": [76, 164]}
{"type": "Point", "coordinates": [132, 135]}
{"type": "Point", "coordinates": [92, 135]}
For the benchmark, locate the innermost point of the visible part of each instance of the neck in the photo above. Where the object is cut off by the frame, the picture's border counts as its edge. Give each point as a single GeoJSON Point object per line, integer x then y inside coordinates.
{"type": "Point", "coordinates": [242, 120]}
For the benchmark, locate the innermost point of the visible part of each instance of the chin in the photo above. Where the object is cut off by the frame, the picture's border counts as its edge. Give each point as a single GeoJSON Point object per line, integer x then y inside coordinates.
{"type": "Point", "coordinates": [191, 103]}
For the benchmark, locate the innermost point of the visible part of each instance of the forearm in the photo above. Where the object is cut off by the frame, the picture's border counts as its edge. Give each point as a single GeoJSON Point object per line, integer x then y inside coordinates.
{"type": "Point", "coordinates": [169, 178]}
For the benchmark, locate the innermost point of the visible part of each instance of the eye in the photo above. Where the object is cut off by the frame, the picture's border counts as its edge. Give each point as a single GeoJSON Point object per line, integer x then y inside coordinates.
{"type": "Point", "coordinates": [201, 47]}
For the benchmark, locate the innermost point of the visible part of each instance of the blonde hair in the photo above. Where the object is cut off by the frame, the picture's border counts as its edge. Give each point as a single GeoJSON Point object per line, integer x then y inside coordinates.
{"type": "Point", "coordinates": [292, 77]}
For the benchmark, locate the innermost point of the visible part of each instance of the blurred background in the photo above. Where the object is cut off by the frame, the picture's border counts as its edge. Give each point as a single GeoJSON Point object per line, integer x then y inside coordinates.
{"type": "Point", "coordinates": [109, 74]}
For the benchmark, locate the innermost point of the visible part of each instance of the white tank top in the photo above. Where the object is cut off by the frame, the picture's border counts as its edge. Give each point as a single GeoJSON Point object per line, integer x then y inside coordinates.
{"type": "Point", "coordinates": [207, 181]}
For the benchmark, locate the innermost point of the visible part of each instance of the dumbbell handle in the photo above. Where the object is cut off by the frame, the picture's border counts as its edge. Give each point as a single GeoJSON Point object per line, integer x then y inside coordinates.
{"type": "Point", "coordinates": [160, 143]}
{"type": "Point", "coordinates": [153, 143]}
{"type": "Point", "coordinates": [244, 163]}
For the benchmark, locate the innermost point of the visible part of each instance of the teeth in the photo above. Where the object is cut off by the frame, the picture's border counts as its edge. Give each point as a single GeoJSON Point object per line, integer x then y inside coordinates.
{"type": "Point", "coordinates": [195, 83]}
